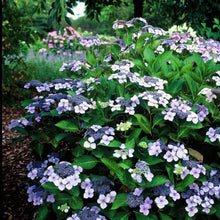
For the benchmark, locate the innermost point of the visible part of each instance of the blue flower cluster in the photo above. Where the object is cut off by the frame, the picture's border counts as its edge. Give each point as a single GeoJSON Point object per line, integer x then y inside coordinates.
{"type": "Point", "coordinates": [87, 213]}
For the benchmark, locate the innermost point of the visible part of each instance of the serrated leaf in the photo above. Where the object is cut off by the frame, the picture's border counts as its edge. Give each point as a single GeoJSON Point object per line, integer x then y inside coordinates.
{"type": "Point", "coordinates": [120, 201]}
{"type": "Point", "coordinates": [139, 63]}
{"type": "Point", "coordinates": [158, 119]}
{"type": "Point", "coordinates": [140, 216]}
{"type": "Point", "coordinates": [175, 86]}
{"type": "Point", "coordinates": [130, 143]}
{"type": "Point", "coordinates": [192, 85]}
{"type": "Point", "coordinates": [42, 213]}
{"type": "Point", "coordinates": [50, 187]}
{"type": "Point", "coordinates": [60, 136]}
{"type": "Point", "coordinates": [54, 142]}
{"type": "Point", "coordinates": [113, 143]}
{"type": "Point", "coordinates": [74, 191]}
{"type": "Point", "coordinates": [126, 164]}
{"type": "Point", "coordinates": [91, 58]}
{"type": "Point", "coordinates": [181, 186]}
{"type": "Point", "coordinates": [141, 41]}
{"type": "Point", "coordinates": [111, 164]}
{"type": "Point", "coordinates": [164, 216]}
{"type": "Point", "coordinates": [143, 123]}
{"type": "Point", "coordinates": [86, 162]}
{"type": "Point", "coordinates": [78, 151]}
{"type": "Point", "coordinates": [27, 102]}
{"type": "Point", "coordinates": [69, 125]}
{"type": "Point", "coordinates": [156, 181]}
{"type": "Point", "coordinates": [170, 170]}
{"type": "Point", "coordinates": [149, 55]}
{"type": "Point", "coordinates": [115, 48]}
{"type": "Point", "coordinates": [62, 197]}
{"type": "Point", "coordinates": [75, 203]}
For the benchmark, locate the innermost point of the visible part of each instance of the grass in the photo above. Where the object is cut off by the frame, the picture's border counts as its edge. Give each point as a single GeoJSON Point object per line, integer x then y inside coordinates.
{"type": "Point", "coordinates": [45, 67]}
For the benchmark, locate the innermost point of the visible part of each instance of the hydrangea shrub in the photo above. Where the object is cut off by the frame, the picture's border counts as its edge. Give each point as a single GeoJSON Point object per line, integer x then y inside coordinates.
{"type": "Point", "coordinates": [126, 137]}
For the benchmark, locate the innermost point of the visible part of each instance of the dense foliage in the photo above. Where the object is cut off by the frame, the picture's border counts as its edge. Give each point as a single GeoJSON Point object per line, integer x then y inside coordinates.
{"type": "Point", "coordinates": [134, 134]}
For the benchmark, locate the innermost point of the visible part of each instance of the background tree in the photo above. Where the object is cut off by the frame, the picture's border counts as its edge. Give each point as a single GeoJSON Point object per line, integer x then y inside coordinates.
{"type": "Point", "coordinates": [192, 12]}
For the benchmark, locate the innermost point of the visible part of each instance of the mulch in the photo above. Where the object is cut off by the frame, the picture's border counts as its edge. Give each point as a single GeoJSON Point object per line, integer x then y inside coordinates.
{"type": "Point", "coordinates": [14, 172]}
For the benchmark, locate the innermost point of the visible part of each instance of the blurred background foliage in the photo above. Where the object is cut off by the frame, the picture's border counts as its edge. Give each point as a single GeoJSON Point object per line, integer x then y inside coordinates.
{"type": "Point", "coordinates": [26, 22]}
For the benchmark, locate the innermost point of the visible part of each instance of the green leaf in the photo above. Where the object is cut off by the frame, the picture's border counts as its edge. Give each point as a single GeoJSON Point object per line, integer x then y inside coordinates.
{"type": "Point", "coordinates": [141, 41]}
{"type": "Point", "coordinates": [149, 55]}
{"type": "Point", "coordinates": [175, 86]}
{"type": "Point", "coordinates": [54, 142]}
{"type": "Point", "coordinates": [91, 58]}
{"type": "Point", "coordinates": [158, 119]}
{"type": "Point", "coordinates": [155, 44]}
{"type": "Point", "coordinates": [20, 130]}
{"type": "Point", "coordinates": [130, 143]}
{"type": "Point", "coordinates": [184, 132]}
{"type": "Point", "coordinates": [74, 191]}
{"type": "Point", "coordinates": [38, 148]}
{"type": "Point", "coordinates": [164, 216]}
{"type": "Point", "coordinates": [111, 164]}
{"type": "Point", "coordinates": [139, 63]}
{"type": "Point", "coordinates": [115, 48]}
{"type": "Point", "coordinates": [170, 170]}
{"type": "Point", "coordinates": [126, 164]}
{"type": "Point", "coordinates": [156, 181]}
{"type": "Point", "coordinates": [86, 162]}
{"type": "Point", "coordinates": [143, 123]}
{"type": "Point", "coordinates": [69, 125]}
{"type": "Point", "coordinates": [75, 202]}
{"type": "Point", "coordinates": [62, 197]}
{"type": "Point", "coordinates": [60, 136]}
{"type": "Point", "coordinates": [27, 102]}
{"type": "Point", "coordinates": [120, 201]}
{"type": "Point", "coordinates": [192, 85]}
{"type": "Point", "coordinates": [140, 216]}
{"type": "Point", "coordinates": [191, 125]}
{"type": "Point", "coordinates": [42, 213]}
{"type": "Point", "coordinates": [135, 134]}
{"type": "Point", "coordinates": [121, 215]}
{"type": "Point", "coordinates": [78, 151]}
{"type": "Point", "coordinates": [152, 160]}
{"type": "Point", "coordinates": [113, 143]}
{"type": "Point", "coordinates": [50, 187]}
{"type": "Point", "coordinates": [181, 186]}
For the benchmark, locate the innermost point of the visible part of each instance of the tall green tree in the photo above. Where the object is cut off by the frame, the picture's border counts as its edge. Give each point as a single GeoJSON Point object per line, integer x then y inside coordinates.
{"type": "Point", "coordinates": [193, 12]}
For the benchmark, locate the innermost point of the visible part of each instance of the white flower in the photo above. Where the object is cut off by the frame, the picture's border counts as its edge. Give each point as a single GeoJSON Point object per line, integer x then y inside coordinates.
{"type": "Point", "coordinates": [90, 143]}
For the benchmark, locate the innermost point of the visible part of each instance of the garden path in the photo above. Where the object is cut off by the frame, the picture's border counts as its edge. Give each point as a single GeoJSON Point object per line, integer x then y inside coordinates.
{"type": "Point", "coordinates": [14, 173]}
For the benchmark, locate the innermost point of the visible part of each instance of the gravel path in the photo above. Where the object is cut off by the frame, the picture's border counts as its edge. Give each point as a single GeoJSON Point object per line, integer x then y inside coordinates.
{"type": "Point", "coordinates": [14, 161]}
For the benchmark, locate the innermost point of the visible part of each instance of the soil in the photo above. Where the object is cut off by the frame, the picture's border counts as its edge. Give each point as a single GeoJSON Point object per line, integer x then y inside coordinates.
{"type": "Point", "coordinates": [15, 158]}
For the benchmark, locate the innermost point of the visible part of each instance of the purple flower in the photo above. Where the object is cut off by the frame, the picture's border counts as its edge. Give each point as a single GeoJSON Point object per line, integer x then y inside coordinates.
{"type": "Point", "coordinates": [111, 196]}
{"type": "Point", "coordinates": [86, 184]}
{"type": "Point", "coordinates": [33, 174]}
{"type": "Point", "coordinates": [144, 208]}
{"type": "Point", "coordinates": [154, 148]}
{"type": "Point", "coordinates": [192, 210]}
{"type": "Point", "coordinates": [195, 172]}
{"type": "Point", "coordinates": [89, 193]}
{"type": "Point", "coordinates": [138, 191]}
{"type": "Point", "coordinates": [50, 198]}
{"type": "Point", "coordinates": [59, 183]}
{"type": "Point", "coordinates": [102, 200]}
{"type": "Point", "coordinates": [174, 194]}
